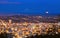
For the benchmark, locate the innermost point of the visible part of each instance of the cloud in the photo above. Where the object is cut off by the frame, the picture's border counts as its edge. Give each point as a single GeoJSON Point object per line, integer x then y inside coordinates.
{"type": "Point", "coordinates": [7, 2]}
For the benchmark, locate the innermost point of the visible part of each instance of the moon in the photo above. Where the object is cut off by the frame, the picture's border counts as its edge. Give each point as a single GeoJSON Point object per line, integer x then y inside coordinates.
{"type": "Point", "coordinates": [47, 12]}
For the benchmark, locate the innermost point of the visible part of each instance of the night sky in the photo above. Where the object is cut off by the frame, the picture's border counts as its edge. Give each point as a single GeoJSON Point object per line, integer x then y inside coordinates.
{"type": "Point", "coordinates": [34, 7]}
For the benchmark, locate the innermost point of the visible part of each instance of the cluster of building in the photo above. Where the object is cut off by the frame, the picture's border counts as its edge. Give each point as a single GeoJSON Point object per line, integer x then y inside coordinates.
{"type": "Point", "coordinates": [23, 30]}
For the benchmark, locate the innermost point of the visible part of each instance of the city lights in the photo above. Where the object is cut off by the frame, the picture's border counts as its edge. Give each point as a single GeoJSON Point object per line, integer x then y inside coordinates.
{"type": "Point", "coordinates": [26, 29]}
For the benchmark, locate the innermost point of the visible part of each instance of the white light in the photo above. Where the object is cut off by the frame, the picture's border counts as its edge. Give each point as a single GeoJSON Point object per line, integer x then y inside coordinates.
{"type": "Point", "coordinates": [47, 12]}
{"type": "Point", "coordinates": [56, 32]}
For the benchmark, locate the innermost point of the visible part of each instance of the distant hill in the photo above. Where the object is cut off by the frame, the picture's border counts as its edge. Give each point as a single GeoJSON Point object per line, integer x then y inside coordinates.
{"type": "Point", "coordinates": [27, 18]}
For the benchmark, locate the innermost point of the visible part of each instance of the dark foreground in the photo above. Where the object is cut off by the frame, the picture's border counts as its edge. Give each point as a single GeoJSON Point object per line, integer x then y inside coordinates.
{"type": "Point", "coordinates": [5, 35]}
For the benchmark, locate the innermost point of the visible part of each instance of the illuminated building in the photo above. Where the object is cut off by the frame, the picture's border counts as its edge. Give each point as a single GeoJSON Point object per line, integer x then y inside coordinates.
{"type": "Point", "coordinates": [10, 21]}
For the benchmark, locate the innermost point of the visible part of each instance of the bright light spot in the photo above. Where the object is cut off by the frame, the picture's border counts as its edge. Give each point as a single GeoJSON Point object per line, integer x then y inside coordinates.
{"type": "Point", "coordinates": [47, 12]}
{"type": "Point", "coordinates": [56, 32]}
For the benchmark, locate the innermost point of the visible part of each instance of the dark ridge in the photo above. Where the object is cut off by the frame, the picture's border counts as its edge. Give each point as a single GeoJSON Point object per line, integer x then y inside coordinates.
{"type": "Point", "coordinates": [46, 36]}
{"type": "Point", "coordinates": [27, 18]}
{"type": "Point", "coordinates": [6, 35]}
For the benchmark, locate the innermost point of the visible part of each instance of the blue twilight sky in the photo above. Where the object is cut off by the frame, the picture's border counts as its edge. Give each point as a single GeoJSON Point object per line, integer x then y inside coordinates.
{"type": "Point", "coordinates": [29, 7]}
